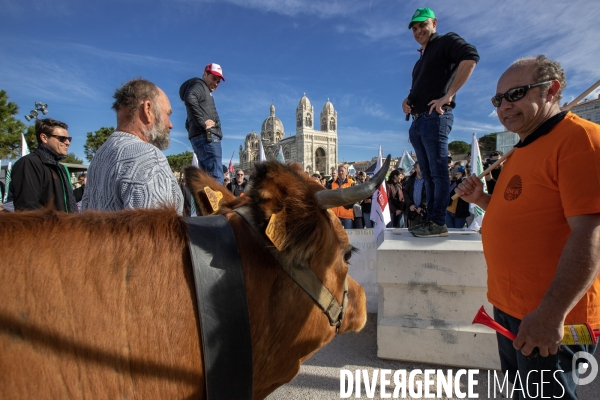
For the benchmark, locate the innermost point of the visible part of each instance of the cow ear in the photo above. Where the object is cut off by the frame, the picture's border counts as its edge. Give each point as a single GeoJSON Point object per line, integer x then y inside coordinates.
{"type": "Point", "coordinates": [207, 193]}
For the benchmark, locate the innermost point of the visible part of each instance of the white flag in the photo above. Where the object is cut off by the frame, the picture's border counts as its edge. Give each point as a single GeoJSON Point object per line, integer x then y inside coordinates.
{"type": "Point", "coordinates": [280, 155]}
{"type": "Point", "coordinates": [7, 181]}
{"type": "Point", "coordinates": [477, 168]}
{"type": "Point", "coordinates": [24, 148]}
{"type": "Point", "coordinates": [195, 162]}
{"type": "Point", "coordinates": [406, 162]}
{"type": "Point", "coordinates": [380, 210]}
{"type": "Point", "coordinates": [261, 156]}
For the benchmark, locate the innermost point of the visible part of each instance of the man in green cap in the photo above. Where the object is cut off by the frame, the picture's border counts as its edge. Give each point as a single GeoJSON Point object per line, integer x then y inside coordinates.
{"type": "Point", "coordinates": [446, 63]}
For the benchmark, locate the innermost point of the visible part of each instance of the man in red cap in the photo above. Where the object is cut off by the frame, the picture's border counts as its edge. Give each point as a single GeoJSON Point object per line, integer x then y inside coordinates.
{"type": "Point", "coordinates": [203, 124]}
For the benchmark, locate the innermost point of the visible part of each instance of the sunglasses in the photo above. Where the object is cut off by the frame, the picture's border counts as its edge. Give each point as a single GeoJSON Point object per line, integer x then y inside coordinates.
{"type": "Point", "coordinates": [514, 94]}
{"type": "Point", "coordinates": [239, 174]}
{"type": "Point", "coordinates": [62, 139]}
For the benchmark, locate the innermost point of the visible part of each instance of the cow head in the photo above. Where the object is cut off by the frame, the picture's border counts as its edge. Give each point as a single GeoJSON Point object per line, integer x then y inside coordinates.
{"type": "Point", "coordinates": [292, 211]}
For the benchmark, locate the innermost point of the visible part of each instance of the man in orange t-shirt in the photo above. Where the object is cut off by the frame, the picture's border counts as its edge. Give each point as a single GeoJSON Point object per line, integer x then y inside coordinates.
{"type": "Point", "coordinates": [541, 230]}
{"type": "Point", "coordinates": [344, 213]}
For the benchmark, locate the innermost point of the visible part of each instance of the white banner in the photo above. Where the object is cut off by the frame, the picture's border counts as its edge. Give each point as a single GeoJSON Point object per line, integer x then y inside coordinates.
{"type": "Point", "coordinates": [363, 264]}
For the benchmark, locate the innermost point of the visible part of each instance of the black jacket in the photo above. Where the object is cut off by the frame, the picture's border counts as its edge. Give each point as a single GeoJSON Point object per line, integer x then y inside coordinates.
{"type": "Point", "coordinates": [200, 106]}
{"type": "Point", "coordinates": [434, 72]}
{"type": "Point", "coordinates": [409, 187]}
{"type": "Point", "coordinates": [38, 180]}
{"type": "Point", "coordinates": [236, 189]}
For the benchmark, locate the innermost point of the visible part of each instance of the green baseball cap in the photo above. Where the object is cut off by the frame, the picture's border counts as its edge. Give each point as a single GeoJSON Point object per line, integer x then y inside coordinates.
{"type": "Point", "coordinates": [421, 15]}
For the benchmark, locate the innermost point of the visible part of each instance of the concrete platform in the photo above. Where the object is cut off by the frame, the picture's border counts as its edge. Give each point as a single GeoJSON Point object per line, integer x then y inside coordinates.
{"type": "Point", "coordinates": [429, 291]}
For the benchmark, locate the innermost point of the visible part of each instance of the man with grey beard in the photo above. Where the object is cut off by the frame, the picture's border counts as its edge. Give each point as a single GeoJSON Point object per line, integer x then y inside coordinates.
{"type": "Point", "coordinates": [129, 170]}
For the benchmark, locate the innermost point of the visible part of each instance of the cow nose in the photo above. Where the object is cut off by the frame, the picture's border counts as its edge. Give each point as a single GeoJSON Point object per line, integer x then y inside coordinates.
{"type": "Point", "coordinates": [355, 316]}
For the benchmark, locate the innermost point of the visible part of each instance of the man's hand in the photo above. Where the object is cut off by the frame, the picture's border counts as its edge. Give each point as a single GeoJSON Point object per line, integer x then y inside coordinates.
{"type": "Point", "coordinates": [412, 208]}
{"type": "Point", "coordinates": [470, 189]}
{"type": "Point", "coordinates": [541, 330]}
{"type": "Point", "coordinates": [439, 103]}
{"type": "Point", "coordinates": [405, 107]}
{"type": "Point", "coordinates": [209, 123]}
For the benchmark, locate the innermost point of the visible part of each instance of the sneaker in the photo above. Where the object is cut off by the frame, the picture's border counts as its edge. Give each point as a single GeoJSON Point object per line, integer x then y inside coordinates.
{"type": "Point", "coordinates": [430, 229]}
{"type": "Point", "coordinates": [417, 226]}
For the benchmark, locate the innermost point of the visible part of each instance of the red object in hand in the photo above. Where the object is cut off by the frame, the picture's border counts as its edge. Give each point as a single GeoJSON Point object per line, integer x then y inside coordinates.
{"type": "Point", "coordinates": [483, 318]}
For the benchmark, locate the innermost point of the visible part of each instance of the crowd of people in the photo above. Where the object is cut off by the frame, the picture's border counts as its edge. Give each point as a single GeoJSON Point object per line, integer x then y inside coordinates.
{"type": "Point", "coordinates": [542, 224]}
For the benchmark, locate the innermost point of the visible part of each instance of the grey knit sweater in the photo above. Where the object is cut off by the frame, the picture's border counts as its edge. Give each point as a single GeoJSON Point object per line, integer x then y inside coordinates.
{"type": "Point", "coordinates": [127, 172]}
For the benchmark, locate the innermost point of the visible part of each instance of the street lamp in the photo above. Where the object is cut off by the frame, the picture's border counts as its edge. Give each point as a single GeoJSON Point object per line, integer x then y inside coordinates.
{"type": "Point", "coordinates": [39, 107]}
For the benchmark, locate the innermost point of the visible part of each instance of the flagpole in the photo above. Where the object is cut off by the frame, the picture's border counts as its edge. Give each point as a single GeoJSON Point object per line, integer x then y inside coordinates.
{"type": "Point", "coordinates": [487, 171]}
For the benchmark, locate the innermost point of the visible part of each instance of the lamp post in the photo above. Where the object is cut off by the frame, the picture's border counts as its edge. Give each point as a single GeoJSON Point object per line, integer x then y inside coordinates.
{"type": "Point", "coordinates": [39, 107]}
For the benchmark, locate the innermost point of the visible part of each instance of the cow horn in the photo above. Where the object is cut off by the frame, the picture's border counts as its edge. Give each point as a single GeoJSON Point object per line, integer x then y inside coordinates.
{"type": "Point", "coordinates": [341, 197]}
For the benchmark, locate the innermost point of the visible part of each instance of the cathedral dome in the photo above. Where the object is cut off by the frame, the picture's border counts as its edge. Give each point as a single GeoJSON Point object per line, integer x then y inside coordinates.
{"type": "Point", "coordinates": [272, 124]}
{"type": "Point", "coordinates": [328, 108]}
{"type": "Point", "coordinates": [252, 137]}
{"type": "Point", "coordinates": [304, 102]}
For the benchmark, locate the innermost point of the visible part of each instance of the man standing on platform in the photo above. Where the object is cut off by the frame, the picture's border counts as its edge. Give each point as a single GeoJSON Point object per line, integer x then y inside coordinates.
{"type": "Point", "coordinates": [541, 231]}
{"type": "Point", "coordinates": [203, 123]}
{"type": "Point", "coordinates": [446, 63]}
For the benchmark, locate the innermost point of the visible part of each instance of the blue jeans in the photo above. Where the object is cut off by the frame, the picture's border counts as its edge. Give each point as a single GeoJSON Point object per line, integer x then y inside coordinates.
{"type": "Point", "coordinates": [453, 222]}
{"type": "Point", "coordinates": [428, 135]}
{"type": "Point", "coordinates": [396, 221]}
{"type": "Point", "coordinates": [368, 222]}
{"type": "Point", "coordinates": [347, 223]}
{"type": "Point", "coordinates": [209, 156]}
{"type": "Point", "coordinates": [513, 360]}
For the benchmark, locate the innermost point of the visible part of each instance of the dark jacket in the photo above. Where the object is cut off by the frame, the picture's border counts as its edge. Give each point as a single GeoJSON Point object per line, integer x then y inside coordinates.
{"type": "Point", "coordinates": [434, 72]}
{"type": "Point", "coordinates": [38, 180]}
{"type": "Point", "coordinates": [462, 207]}
{"type": "Point", "coordinates": [409, 191]}
{"type": "Point", "coordinates": [200, 106]}
{"type": "Point", "coordinates": [236, 189]}
{"type": "Point", "coordinates": [79, 193]}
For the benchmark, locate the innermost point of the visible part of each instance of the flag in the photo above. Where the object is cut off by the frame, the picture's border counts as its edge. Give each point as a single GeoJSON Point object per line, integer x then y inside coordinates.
{"type": "Point", "coordinates": [193, 211]}
{"type": "Point", "coordinates": [24, 148]}
{"type": "Point", "coordinates": [280, 156]}
{"type": "Point", "coordinates": [406, 162]}
{"type": "Point", "coordinates": [7, 182]}
{"type": "Point", "coordinates": [477, 168]}
{"type": "Point", "coordinates": [380, 210]}
{"type": "Point", "coordinates": [261, 156]}
{"type": "Point", "coordinates": [230, 169]}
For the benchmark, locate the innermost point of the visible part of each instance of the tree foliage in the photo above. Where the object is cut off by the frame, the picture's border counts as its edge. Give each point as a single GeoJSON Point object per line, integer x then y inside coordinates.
{"type": "Point", "coordinates": [459, 147]}
{"type": "Point", "coordinates": [71, 158]}
{"type": "Point", "coordinates": [95, 140]}
{"type": "Point", "coordinates": [11, 129]}
{"type": "Point", "coordinates": [179, 161]}
{"type": "Point", "coordinates": [487, 143]}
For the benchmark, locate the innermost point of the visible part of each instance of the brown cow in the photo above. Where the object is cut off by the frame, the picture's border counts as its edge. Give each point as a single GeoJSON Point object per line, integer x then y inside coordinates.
{"type": "Point", "coordinates": [102, 305]}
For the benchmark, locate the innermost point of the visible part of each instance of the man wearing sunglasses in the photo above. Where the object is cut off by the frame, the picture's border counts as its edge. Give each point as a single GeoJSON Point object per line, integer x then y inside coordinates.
{"type": "Point", "coordinates": [38, 179]}
{"type": "Point", "coordinates": [238, 184]}
{"type": "Point", "coordinates": [541, 230]}
{"type": "Point", "coordinates": [445, 64]}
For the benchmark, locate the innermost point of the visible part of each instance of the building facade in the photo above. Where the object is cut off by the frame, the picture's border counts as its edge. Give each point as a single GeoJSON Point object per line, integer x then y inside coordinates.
{"type": "Point", "coordinates": [315, 150]}
{"type": "Point", "coordinates": [588, 109]}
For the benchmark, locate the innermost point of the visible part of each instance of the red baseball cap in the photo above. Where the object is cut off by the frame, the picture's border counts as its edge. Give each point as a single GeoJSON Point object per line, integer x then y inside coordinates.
{"type": "Point", "coordinates": [215, 69]}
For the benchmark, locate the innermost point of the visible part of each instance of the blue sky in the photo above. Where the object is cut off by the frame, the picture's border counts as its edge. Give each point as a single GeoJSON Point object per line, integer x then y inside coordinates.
{"type": "Point", "coordinates": [73, 54]}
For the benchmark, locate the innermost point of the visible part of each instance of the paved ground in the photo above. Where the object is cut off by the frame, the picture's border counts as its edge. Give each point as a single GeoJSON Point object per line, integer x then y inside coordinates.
{"type": "Point", "coordinates": [319, 377]}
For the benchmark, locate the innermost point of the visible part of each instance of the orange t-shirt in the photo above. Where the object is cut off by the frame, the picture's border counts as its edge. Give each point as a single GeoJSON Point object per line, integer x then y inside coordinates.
{"type": "Point", "coordinates": [525, 225]}
{"type": "Point", "coordinates": [340, 211]}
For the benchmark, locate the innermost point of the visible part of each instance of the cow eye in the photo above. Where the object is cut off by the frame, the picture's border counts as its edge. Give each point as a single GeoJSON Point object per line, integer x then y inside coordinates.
{"type": "Point", "coordinates": [348, 254]}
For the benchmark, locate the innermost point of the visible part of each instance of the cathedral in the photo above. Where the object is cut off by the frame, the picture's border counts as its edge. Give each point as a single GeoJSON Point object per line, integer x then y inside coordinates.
{"type": "Point", "coordinates": [316, 151]}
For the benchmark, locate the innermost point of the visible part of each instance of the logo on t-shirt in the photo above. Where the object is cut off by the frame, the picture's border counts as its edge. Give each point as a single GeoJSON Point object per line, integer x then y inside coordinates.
{"type": "Point", "coordinates": [514, 188]}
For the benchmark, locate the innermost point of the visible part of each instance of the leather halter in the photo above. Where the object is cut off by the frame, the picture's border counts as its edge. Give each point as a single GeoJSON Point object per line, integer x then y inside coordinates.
{"type": "Point", "coordinates": [305, 278]}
